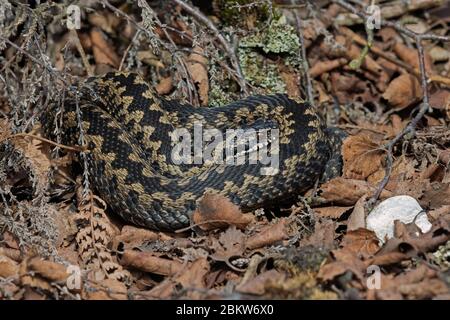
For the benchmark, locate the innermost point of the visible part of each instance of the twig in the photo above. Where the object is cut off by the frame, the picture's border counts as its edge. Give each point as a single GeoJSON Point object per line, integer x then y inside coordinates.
{"type": "Point", "coordinates": [122, 61]}
{"type": "Point", "coordinates": [76, 40]}
{"type": "Point", "coordinates": [308, 84]}
{"type": "Point", "coordinates": [50, 69]}
{"type": "Point", "coordinates": [23, 135]}
{"type": "Point", "coordinates": [228, 49]}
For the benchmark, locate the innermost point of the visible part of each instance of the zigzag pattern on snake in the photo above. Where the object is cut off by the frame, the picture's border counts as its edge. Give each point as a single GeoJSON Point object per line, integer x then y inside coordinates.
{"type": "Point", "coordinates": [128, 128]}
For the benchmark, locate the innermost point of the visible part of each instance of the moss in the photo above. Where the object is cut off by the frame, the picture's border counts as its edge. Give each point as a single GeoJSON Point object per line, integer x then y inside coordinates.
{"type": "Point", "coordinates": [279, 39]}
{"type": "Point", "coordinates": [301, 284]}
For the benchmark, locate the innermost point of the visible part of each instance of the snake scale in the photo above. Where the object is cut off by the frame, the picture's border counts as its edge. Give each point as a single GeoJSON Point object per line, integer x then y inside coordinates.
{"type": "Point", "coordinates": [127, 130]}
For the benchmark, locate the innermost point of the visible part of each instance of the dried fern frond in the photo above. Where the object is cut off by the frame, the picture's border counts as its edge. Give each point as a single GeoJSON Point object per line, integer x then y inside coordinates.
{"type": "Point", "coordinates": [94, 237]}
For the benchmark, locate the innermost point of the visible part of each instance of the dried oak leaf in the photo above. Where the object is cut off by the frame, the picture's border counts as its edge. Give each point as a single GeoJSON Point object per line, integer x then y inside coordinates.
{"type": "Point", "coordinates": [164, 86]}
{"type": "Point", "coordinates": [419, 283]}
{"type": "Point", "coordinates": [331, 212]}
{"type": "Point", "coordinates": [362, 156]}
{"type": "Point", "coordinates": [403, 91]}
{"type": "Point", "coordinates": [191, 277]}
{"type": "Point", "coordinates": [411, 57]}
{"type": "Point", "coordinates": [271, 234]}
{"type": "Point", "coordinates": [440, 99]}
{"type": "Point", "coordinates": [107, 289]}
{"type": "Point", "coordinates": [38, 160]}
{"type": "Point", "coordinates": [108, 22]}
{"type": "Point", "coordinates": [436, 195]}
{"type": "Point", "coordinates": [230, 244]}
{"type": "Point", "coordinates": [133, 237]}
{"type": "Point", "coordinates": [216, 211]}
{"type": "Point", "coordinates": [410, 243]}
{"type": "Point", "coordinates": [323, 236]}
{"type": "Point", "coordinates": [347, 192]}
{"type": "Point", "coordinates": [259, 284]}
{"type": "Point", "coordinates": [357, 218]}
{"type": "Point", "coordinates": [8, 267]}
{"type": "Point", "coordinates": [148, 262]}
{"type": "Point", "coordinates": [356, 246]}
{"type": "Point", "coordinates": [361, 241]}
{"type": "Point", "coordinates": [104, 53]}
{"type": "Point", "coordinates": [197, 66]}
{"type": "Point", "coordinates": [40, 274]}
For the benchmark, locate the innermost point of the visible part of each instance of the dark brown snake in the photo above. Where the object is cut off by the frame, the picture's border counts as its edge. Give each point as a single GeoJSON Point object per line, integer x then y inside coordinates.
{"type": "Point", "coordinates": [128, 130]}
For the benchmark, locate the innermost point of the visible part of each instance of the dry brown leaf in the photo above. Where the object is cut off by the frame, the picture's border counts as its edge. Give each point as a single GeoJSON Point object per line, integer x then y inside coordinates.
{"type": "Point", "coordinates": [347, 192]}
{"type": "Point", "coordinates": [10, 240]}
{"type": "Point", "coordinates": [436, 196]}
{"type": "Point", "coordinates": [192, 278]}
{"type": "Point", "coordinates": [8, 267]}
{"type": "Point", "coordinates": [230, 244]}
{"type": "Point", "coordinates": [104, 53]}
{"type": "Point", "coordinates": [331, 212]}
{"type": "Point", "coordinates": [198, 68]}
{"type": "Point", "coordinates": [440, 212]}
{"type": "Point", "coordinates": [258, 285]}
{"type": "Point", "coordinates": [148, 57]}
{"type": "Point", "coordinates": [164, 86]}
{"type": "Point", "coordinates": [38, 160]}
{"type": "Point", "coordinates": [425, 289]}
{"type": "Point", "coordinates": [216, 211]}
{"type": "Point", "coordinates": [411, 57]}
{"type": "Point", "coordinates": [419, 283]}
{"type": "Point", "coordinates": [107, 289]}
{"type": "Point", "coordinates": [108, 22]}
{"type": "Point", "coordinates": [323, 236]}
{"type": "Point", "coordinates": [271, 234]}
{"type": "Point", "coordinates": [148, 262]}
{"type": "Point", "coordinates": [321, 67]}
{"type": "Point", "coordinates": [403, 91]}
{"type": "Point", "coordinates": [49, 270]}
{"type": "Point", "coordinates": [361, 242]}
{"type": "Point", "coordinates": [357, 218]}
{"type": "Point", "coordinates": [362, 157]}
{"type": "Point", "coordinates": [133, 237]}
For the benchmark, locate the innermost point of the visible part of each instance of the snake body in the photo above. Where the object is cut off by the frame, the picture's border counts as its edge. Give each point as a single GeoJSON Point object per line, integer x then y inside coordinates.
{"type": "Point", "coordinates": [128, 130]}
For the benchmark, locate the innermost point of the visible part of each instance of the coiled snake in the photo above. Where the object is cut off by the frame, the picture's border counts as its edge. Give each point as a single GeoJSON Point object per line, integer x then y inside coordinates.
{"type": "Point", "coordinates": [128, 130]}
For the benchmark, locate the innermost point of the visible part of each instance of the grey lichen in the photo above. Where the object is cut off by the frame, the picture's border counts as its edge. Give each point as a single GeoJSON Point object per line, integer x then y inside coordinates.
{"type": "Point", "coordinates": [442, 256]}
{"type": "Point", "coordinates": [254, 51]}
{"type": "Point", "coordinates": [280, 37]}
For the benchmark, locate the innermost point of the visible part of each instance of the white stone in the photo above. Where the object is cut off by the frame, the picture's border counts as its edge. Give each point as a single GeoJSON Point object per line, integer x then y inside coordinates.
{"type": "Point", "coordinates": [404, 208]}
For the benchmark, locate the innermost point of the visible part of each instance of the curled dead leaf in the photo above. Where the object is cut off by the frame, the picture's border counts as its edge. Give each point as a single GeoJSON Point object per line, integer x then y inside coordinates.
{"type": "Point", "coordinates": [271, 234]}
{"type": "Point", "coordinates": [216, 211]}
{"type": "Point", "coordinates": [107, 289]}
{"type": "Point", "coordinates": [346, 192]}
{"type": "Point", "coordinates": [403, 91]}
{"type": "Point", "coordinates": [8, 267]}
{"type": "Point", "coordinates": [104, 53]}
{"type": "Point", "coordinates": [148, 262]}
{"type": "Point", "coordinates": [197, 66]}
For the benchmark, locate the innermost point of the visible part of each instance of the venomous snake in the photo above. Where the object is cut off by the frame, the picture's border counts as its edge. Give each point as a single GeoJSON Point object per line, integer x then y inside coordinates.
{"type": "Point", "coordinates": [128, 129]}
